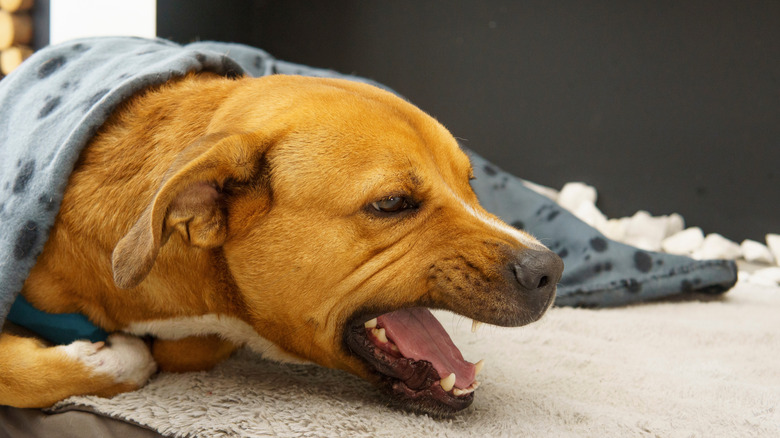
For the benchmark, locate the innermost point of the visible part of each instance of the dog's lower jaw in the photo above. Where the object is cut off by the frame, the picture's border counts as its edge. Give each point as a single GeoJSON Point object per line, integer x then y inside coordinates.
{"type": "Point", "coordinates": [425, 401]}
{"type": "Point", "coordinates": [411, 384]}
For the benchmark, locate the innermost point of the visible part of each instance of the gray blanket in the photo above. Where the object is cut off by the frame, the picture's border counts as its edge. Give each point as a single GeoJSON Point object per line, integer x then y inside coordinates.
{"type": "Point", "coordinates": [55, 102]}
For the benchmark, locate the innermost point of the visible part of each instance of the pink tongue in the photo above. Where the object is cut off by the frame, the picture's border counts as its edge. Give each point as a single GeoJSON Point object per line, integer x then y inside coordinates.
{"type": "Point", "coordinates": [419, 336]}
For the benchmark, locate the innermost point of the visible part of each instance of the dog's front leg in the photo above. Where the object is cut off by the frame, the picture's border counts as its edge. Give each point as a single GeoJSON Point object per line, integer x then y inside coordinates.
{"type": "Point", "coordinates": [194, 353]}
{"type": "Point", "coordinates": [33, 375]}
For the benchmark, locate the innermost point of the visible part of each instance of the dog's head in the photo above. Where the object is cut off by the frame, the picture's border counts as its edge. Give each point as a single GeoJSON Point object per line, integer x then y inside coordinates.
{"type": "Point", "coordinates": [342, 213]}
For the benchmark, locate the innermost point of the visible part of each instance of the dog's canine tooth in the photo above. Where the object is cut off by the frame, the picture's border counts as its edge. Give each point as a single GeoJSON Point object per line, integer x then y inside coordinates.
{"type": "Point", "coordinates": [478, 367]}
{"type": "Point", "coordinates": [448, 382]}
{"type": "Point", "coordinates": [380, 334]}
{"type": "Point", "coordinates": [475, 325]}
{"type": "Point", "coordinates": [370, 323]}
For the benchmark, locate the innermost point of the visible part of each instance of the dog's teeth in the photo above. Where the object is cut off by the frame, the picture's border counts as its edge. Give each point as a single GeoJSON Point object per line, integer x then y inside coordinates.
{"type": "Point", "coordinates": [475, 325]}
{"type": "Point", "coordinates": [370, 324]}
{"type": "Point", "coordinates": [478, 367]}
{"type": "Point", "coordinates": [469, 390]}
{"type": "Point", "coordinates": [448, 382]}
{"type": "Point", "coordinates": [380, 334]}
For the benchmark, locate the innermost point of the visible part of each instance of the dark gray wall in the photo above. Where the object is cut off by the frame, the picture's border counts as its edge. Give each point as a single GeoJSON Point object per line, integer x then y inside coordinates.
{"type": "Point", "coordinates": [665, 106]}
{"type": "Point", "coordinates": [40, 16]}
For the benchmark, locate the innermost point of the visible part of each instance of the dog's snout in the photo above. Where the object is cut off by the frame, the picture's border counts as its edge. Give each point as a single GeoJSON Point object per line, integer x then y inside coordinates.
{"type": "Point", "coordinates": [538, 271]}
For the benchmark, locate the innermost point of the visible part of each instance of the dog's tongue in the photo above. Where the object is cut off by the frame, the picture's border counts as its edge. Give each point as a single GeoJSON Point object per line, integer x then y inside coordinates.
{"type": "Point", "coordinates": [419, 336]}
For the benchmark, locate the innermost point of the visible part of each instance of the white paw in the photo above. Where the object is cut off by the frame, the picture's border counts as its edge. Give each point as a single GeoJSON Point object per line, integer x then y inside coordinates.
{"type": "Point", "coordinates": [125, 358]}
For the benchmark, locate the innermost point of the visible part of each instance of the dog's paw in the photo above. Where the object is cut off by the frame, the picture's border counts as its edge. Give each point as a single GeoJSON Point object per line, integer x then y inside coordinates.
{"type": "Point", "coordinates": [125, 358]}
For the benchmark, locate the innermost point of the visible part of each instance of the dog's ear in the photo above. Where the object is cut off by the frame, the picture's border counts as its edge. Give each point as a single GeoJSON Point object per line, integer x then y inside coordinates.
{"type": "Point", "coordinates": [188, 202]}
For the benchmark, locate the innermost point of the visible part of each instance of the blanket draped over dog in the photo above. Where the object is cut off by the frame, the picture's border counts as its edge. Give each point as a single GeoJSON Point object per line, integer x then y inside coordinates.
{"type": "Point", "coordinates": [53, 104]}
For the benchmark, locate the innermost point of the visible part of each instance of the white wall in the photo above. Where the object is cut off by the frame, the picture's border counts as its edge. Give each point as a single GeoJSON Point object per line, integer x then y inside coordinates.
{"type": "Point", "coordinates": [84, 18]}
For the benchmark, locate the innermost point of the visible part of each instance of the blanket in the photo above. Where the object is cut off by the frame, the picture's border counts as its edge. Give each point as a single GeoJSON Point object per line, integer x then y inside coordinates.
{"type": "Point", "coordinates": [56, 101]}
{"type": "Point", "coordinates": [702, 366]}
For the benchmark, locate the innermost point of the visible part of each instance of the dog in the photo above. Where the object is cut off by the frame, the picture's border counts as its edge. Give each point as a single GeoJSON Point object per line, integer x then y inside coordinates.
{"type": "Point", "coordinates": [310, 219]}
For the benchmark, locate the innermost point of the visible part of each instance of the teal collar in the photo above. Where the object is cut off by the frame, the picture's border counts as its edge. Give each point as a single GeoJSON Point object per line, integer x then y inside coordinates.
{"type": "Point", "coordinates": [59, 328]}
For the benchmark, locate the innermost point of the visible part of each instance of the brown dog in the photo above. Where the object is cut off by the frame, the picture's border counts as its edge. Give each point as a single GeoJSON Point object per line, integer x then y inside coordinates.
{"type": "Point", "coordinates": [283, 213]}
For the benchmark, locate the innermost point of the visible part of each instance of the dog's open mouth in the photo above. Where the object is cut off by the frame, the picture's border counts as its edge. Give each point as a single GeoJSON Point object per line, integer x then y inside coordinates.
{"type": "Point", "coordinates": [416, 360]}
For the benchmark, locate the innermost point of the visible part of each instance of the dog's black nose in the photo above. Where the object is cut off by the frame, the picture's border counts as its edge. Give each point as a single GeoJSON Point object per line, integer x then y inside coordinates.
{"type": "Point", "coordinates": [538, 272]}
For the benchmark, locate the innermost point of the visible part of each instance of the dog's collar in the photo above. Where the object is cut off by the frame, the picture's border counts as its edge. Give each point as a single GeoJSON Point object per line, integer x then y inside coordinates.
{"type": "Point", "coordinates": [59, 328]}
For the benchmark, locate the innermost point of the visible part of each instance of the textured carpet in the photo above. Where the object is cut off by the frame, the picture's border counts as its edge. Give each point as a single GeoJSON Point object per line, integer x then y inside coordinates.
{"type": "Point", "coordinates": [688, 368]}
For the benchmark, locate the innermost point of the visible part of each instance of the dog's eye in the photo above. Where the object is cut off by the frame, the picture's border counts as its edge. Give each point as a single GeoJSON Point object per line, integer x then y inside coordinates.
{"type": "Point", "coordinates": [393, 204]}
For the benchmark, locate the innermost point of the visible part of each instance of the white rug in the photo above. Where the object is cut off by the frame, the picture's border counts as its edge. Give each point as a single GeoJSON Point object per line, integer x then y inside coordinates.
{"type": "Point", "coordinates": [673, 369]}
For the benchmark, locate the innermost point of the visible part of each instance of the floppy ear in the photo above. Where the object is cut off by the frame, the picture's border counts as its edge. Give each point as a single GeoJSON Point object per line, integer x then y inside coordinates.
{"type": "Point", "coordinates": [188, 202]}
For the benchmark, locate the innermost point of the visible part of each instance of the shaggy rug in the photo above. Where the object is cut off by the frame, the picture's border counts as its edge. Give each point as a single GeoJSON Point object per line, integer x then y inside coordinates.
{"type": "Point", "coordinates": [696, 367]}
